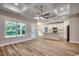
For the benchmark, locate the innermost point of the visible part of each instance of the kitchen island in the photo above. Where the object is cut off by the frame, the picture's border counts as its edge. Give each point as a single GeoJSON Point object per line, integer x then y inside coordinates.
{"type": "Point", "coordinates": [55, 36]}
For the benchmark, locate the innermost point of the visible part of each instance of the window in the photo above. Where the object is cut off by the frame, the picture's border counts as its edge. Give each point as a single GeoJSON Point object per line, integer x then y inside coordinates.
{"type": "Point", "coordinates": [21, 29]}
{"type": "Point", "coordinates": [18, 29]}
{"type": "Point", "coordinates": [13, 29]}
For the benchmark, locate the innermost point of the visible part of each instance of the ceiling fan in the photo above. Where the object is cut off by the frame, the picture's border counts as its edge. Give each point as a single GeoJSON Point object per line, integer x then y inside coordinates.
{"type": "Point", "coordinates": [46, 15]}
{"type": "Point", "coordinates": [41, 13]}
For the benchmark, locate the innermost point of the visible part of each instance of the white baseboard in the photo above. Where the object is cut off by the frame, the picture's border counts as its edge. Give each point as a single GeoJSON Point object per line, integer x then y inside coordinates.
{"type": "Point", "coordinates": [74, 42]}
{"type": "Point", "coordinates": [4, 43]}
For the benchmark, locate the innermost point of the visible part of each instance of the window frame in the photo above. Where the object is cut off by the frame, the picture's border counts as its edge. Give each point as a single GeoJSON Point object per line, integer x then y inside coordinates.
{"type": "Point", "coordinates": [13, 36]}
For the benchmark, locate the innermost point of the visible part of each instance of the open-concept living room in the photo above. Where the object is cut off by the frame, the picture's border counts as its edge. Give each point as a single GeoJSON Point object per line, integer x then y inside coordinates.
{"type": "Point", "coordinates": [39, 29]}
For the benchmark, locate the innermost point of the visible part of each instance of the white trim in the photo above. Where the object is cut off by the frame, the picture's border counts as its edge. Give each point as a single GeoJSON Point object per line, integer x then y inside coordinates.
{"type": "Point", "coordinates": [3, 42]}
{"type": "Point", "coordinates": [74, 42]}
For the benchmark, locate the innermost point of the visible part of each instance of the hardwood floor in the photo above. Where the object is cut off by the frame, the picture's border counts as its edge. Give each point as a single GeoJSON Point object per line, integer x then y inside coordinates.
{"type": "Point", "coordinates": [40, 47]}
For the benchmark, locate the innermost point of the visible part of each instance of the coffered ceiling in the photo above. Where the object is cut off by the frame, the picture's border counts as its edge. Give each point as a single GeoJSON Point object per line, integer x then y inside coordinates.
{"type": "Point", "coordinates": [57, 11]}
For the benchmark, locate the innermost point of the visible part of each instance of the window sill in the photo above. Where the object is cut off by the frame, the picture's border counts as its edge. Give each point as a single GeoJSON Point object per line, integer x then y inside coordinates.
{"type": "Point", "coordinates": [15, 36]}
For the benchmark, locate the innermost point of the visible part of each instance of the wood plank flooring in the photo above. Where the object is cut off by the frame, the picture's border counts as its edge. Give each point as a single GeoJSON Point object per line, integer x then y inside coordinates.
{"type": "Point", "coordinates": [40, 47]}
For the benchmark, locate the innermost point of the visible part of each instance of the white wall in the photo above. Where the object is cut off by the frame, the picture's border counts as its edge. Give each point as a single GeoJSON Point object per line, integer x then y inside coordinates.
{"type": "Point", "coordinates": [5, 41]}
{"type": "Point", "coordinates": [74, 29]}
{"type": "Point", "coordinates": [66, 22]}
{"type": "Point", "coordinates": [41, 28]}
{"type": "Point", "coordinates": [34, 30]}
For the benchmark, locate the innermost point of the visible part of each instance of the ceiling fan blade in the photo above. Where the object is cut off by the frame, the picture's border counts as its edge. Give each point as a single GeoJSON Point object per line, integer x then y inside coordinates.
{"type": "Point", "coordinates": [46, 14]}
{"type": "Point", "coordinates": [52, 16]}
{"type": "Point", "coordinates": [49, 16]}
{"type": "Point", "coordinates": [45, 17]}
{"type": "Point", "coordinates": [41, 13]}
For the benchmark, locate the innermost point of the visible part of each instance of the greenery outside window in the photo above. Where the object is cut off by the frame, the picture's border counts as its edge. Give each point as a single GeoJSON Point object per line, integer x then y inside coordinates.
{"type": "Point", "coordinates": [13, 29]}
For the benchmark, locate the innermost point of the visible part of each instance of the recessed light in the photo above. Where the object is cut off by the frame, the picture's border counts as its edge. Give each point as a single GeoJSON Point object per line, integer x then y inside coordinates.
{"type": "Point", "coordinates": [15, 3]}
{"type": "Point", "coordinates": [62, 9]}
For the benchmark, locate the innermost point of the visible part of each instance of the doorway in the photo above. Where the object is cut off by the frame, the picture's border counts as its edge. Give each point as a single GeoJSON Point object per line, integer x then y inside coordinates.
{"type": "Point", "coordinates": [68, 33]}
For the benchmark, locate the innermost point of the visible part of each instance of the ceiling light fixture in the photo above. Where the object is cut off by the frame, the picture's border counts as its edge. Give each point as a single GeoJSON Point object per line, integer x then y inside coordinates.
{"type": "Point", "coordinates": [38, 18]}
{"type": "Point", "coordinates": [62, 9]}
{"type": "Point", "coordinates": [15, 3]}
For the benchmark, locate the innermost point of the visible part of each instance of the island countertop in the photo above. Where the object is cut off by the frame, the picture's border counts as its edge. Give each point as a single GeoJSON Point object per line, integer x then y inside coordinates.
{"type": "Point", "coordinates": [53, 35]}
